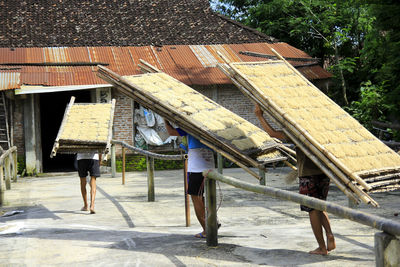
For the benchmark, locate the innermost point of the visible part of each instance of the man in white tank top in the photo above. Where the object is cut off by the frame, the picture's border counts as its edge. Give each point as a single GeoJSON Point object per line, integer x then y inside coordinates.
{"type": "Point", "coordinates": [88, 163]}
{"type": "Point", "coordinates": [200, 158]}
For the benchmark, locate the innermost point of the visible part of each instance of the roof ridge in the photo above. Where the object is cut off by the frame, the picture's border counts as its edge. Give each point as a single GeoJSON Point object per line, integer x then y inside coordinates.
{"type": "Point", "coordinates": [270, 38]}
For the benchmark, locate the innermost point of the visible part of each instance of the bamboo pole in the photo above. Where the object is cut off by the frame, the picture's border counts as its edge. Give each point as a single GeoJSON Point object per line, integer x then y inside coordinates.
{"type": "Point", "coordinates": [110, 124]}
{"type": "Point", "coordinates": [383, 183]}
{"type": "Point", "coordinates": [55, 147]}
{"type": "Point", "coordinates": [123, 165]}
{"type": "Point", "coordinates": [383, 224]}
{"type": "Point", "coordinates": [185, 187]}
{"type": "Point", "coordinates": [151, 67]}
{"type": "Point", "coordinates": [372, 180]}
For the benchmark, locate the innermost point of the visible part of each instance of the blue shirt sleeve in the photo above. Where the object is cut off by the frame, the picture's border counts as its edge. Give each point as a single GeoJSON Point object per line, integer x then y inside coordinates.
{"type": "Point", "coordinates": [181, 132]}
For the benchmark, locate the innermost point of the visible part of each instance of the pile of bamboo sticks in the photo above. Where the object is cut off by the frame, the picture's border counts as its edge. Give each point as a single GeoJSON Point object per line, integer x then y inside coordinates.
{"type": "Point", "coordinates": [77, 124]}
{"type": "Point", "coordinates": [355, 185]}
{"type": "Point", "coordinates": [131, 88]}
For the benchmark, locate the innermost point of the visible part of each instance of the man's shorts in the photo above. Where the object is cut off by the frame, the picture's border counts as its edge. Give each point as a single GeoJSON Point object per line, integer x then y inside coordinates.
{"type": "Point", "coordinates": [195, 183]}
{"type": "Point", "coordinates": [314, 186]}
{"type": "Point", "coordinates": [90, 166]}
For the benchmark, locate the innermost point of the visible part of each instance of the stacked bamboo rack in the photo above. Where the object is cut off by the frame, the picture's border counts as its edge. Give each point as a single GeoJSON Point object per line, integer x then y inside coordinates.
{"type": "Point", "coordinates": [85, 128]}
{"type": "Point", "coordinates": [352, 157]}
{"type": "Point", "coordinates": [218, 128]}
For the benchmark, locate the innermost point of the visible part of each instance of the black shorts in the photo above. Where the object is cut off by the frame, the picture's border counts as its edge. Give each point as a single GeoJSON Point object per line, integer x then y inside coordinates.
{"type": "Point", "coordinates": [195, 183]}
{"type": "Point", "coordinates": [91, 166]}
{"type": "Point", "coordinates": [314, 186]}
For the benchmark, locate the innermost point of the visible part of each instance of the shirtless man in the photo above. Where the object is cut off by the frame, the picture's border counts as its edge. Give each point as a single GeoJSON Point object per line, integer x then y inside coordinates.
{"type": "Point", "coordinates": [313, 183]}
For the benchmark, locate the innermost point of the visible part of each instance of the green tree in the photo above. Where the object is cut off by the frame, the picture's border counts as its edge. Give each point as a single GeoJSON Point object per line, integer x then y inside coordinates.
{"type": "Point", "coordinates": [333, 31]}
{"type": "Point", "coordinates": [381, 55]}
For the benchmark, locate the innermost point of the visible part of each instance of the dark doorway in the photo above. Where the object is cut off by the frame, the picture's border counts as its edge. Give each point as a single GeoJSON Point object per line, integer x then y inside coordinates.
{"type": "Point", "coordinates": [52, 108]}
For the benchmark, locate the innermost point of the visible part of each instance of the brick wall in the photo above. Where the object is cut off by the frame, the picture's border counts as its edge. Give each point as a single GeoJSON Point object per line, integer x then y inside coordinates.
{"type": "Point", "coordinates": [18, 125]}
{"type": "Point", "coordinates": [231, 98]}
{"type": "Point", "coordinates": [123, 119]}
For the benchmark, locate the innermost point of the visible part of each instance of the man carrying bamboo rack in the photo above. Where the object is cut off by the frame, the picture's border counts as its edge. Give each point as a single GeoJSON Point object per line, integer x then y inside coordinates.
{"type": "Point", "coordinates": [200, 158]}
{"type": "Point", "coordinates": [312, 182]}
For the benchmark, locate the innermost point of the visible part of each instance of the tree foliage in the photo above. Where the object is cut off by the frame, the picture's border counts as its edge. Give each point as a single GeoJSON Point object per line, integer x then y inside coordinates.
{"type": "Point", "coordinates": [357, 40]}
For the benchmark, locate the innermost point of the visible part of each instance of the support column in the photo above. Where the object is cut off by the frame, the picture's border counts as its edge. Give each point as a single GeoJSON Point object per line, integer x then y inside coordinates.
{"type": "Point", "coordinates": [211, 213]}
{"type": "Point", "coordinates": [2, 186]}
{"type": "Point", "coordinates": [352, 203]}
{"type": "Point", "coordinates": [113, 162]}
{"type": "Point", "coordinates": [220, 163]}
{"type": "Point", "coordinates": [262, 176]}
{"type": "Point", "coordinates": [32, 134]}
{"type": "Point", "coordinates": [7, 172]}
{"type": "Point", "coordinates": [150, 179]}
{"type": "Point", "coordinates": [387, 248]}
{"type": "Point", "coordinates": [185, 187]}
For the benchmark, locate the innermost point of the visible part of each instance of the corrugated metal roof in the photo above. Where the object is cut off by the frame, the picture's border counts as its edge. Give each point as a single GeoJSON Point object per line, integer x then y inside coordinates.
{"type": "Point", "coordinates": [9, 80]}
{"type": "Point", "coordinates": [191, 64]}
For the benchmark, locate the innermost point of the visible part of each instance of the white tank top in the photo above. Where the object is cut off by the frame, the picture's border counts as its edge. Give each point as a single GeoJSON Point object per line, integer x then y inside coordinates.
{"type": "Point", "coordinates": [200, 159]}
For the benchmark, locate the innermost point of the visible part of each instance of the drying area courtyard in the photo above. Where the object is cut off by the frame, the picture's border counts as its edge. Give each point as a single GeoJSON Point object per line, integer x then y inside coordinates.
{"type": "Point", "coordinates": [48, 228]}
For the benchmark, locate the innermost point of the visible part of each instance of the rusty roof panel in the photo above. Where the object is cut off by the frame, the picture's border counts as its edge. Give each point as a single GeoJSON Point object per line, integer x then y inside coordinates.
{"type": "Point", "coordinates": [9, 80]}
{"type": "Point", "coordinates": [190, 64]}
{"type": "Point", "coordinates": [315, 72]}
{"type": "Point", "coordinates": [145, 53]}
{"type": "Point", "coordinates": [236, 48]}
{"type": "Point", "coordinates": [205, 56]}
{"type": "Point", "coordinates": [54, 54]}
{"type": "Point", "coordinates": [184, 57]}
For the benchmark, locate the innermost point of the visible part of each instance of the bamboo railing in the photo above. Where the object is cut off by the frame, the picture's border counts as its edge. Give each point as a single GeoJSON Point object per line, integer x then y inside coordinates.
{"type": "Point", "coordinates": [8, 170]}
{"type": "Point", "coordinates": [383, 224]}
{"type": "Point", "coordinates": [150, 156]}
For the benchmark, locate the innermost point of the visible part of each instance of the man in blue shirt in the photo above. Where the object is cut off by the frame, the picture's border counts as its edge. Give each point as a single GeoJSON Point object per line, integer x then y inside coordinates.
{"type": "Point", "coordinates": [200, 158]}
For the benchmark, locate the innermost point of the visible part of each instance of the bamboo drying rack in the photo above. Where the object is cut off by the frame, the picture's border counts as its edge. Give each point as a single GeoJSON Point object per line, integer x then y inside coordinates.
{"type": "Point", "coordinates": [206, 137]}
{"type": "Point", "coordinates": [354, 185]}
{"type": "Point", "coordinates": [71, 146]}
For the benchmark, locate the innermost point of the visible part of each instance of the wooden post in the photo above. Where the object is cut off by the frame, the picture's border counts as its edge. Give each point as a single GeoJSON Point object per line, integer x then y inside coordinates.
{"type": "Point", "coordinates": [211, 213]}
{"type": "Point", "coordinates": [7, 172]}
{"type": "Point", "coordinates": [352, 204]}
{"type": "Point", "coordinates": [150, 178]}
{"type": "Point", "coordinates": [113, 162]}
{"type": "Point", "coordinates": [262, 176]}
{"type": "Point", "coordinates": [123, 165]}
{"type": "Point", "coordinates": [15, 166]}
{"type": "Point", "coordinates": [187, 203]}
{"type": "Point", "coordinates": [220, 163]}
{"type": "Point", "coordinates": [2, 185]}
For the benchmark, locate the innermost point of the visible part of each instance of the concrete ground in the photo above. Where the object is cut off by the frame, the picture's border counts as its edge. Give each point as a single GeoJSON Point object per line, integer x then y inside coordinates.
{"type": "Point", "coordinates": [129, 231]}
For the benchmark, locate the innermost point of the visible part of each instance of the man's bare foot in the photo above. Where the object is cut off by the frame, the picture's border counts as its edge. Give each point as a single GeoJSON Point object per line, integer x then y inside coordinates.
{"type": "Point", "coordinates": [84, 208]}
{"type": "Point", "coordinates": [92, 211]}
{"type": "Point", "coordinates": [331, 244]}
{"type": "Point", "coordinates": [319, 251]}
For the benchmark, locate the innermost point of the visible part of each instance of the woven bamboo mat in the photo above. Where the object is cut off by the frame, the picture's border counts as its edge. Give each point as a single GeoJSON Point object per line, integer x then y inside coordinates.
{"type": "Point", "coordinates": [336, 141]}
{"type": "Point", "coordinates": [217, 127]}
{"type": "Point", "coordinates": [86, 127]}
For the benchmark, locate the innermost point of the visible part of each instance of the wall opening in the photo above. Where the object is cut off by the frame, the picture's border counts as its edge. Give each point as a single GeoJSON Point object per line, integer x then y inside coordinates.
{"type": "Point", "coordinates": [52, 108]}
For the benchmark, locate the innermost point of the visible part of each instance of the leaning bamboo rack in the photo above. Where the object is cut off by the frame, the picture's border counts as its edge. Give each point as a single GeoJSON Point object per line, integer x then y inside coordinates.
{"type": "Point", "coordinates": [220, 129]}
{"type": "Point", "coordinates": [350, 155]}
{"type": "Point", "coordinates": [86, 127]}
